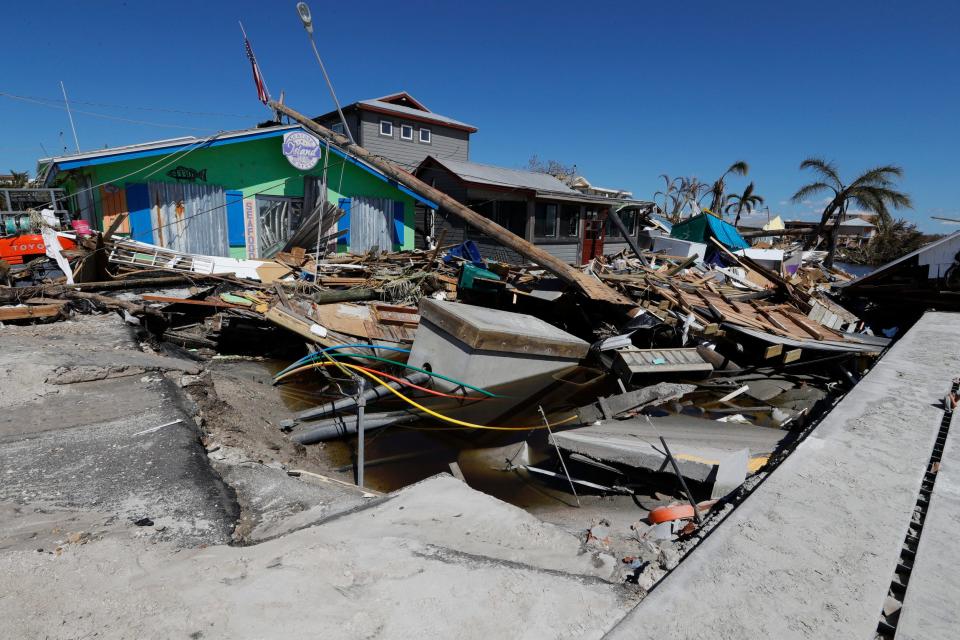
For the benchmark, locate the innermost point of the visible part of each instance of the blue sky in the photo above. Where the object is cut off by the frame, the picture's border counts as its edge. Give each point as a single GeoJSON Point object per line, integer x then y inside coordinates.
{"type": "Point", "coordinates": [624, 90]}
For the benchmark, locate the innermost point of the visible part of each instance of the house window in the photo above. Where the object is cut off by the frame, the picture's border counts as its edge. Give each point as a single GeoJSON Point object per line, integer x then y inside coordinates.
{"type": "Point", "coordinates": [629, 220]}
{"type": "Point", "coordinates": [570, 220]}
{"type": "Point", "coordinates": [337, 127]}
{"type": "Point", "coordinates": [545, 221]}
{"type": "Point", "coordinates": [386, 128]}
{"type": "Point", "coordinates": [424, 135]}
{"type": "Point", "coordinates": [406, 132]}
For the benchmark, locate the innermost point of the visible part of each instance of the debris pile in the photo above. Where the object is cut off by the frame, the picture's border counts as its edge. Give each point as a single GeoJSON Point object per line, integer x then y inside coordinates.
{"type": "Point", "coordinates": [673, 380]}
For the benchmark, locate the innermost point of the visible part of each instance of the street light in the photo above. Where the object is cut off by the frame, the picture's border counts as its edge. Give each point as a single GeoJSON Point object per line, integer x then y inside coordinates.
{"type": "Point", "coordinates": [304, 12]}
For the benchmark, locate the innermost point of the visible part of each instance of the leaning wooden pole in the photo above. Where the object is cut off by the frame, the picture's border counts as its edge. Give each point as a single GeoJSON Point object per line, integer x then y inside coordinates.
{"type": "Point", "coordinates": [587, 284]}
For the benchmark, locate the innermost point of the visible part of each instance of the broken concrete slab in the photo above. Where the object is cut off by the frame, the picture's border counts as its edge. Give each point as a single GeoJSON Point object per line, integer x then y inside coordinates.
{"type": "Point", "coordinates": [699, 445]}
{"type": "Point", "coordinates": [435, 560]}
{"type": "Point", "coordinates": [612, 406]}
{"type": "Point", "coordinates": [812, 551]}
{"type": "Point", "coordinates": [123, 447]}
{"type": "Point", "coordinates": [274, 503]}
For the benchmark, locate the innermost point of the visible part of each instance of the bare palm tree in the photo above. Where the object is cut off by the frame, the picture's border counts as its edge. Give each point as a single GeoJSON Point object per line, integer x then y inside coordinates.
{"type": "Point", "coordinates": [719, 188]}
{"type": "Point", "coordinates": [681, 196]}
{"type": "Point", "coordinates": [742, 202]}
{"type": "Point", "coordinates": [871, 191]}
{"type": "Point", "coordinates": [671, 203]}
{"type": "Point", "coordinates": [692, 193]}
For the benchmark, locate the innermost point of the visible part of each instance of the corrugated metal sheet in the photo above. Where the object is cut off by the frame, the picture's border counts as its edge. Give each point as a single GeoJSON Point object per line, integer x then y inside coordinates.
{"type": "Point", "coordinates": [191, 218]}
{"type": "Point", "coordinates": [371, 221]}
{"type": "Point", "coordinates": [502, 176]}
{"type": "Point", "coordinates": [726, 233]}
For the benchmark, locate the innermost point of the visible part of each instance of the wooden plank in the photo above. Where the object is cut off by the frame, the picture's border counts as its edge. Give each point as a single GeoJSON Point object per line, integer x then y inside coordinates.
{"type": "Point", "coordinates": [200, 303]}
{"type": "Point", "coordinates": [29, 312]}
{"type": "Point", "coordinates": [801, 321]}
{"type": "Point", "coordinates": [769, 316]}
{"type": "Point", "coordinates": [772, 351]}
{"type": "Point", "coordinates": [391, 317]}
{"type": "Point", "coordinates": [792, 356]}
{"type": "Point", "coordinates": [45, 301]}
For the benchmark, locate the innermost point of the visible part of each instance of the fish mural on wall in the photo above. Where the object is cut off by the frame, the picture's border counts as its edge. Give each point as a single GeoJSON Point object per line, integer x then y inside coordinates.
{"type": "Point", "coordinates": [186, 174]}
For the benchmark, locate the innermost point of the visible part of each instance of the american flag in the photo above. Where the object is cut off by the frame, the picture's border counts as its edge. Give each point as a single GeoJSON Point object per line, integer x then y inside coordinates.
{"type": "Point", "coordinates": [257, 77]}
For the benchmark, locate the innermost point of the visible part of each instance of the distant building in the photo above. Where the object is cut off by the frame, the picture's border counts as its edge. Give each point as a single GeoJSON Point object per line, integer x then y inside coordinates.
{"type": "Point", "coordinates": [571, 222]}
{"type": "Point", "coordinates": [402, 129]}
{"type": "Point", "coordinates": [854, 230]}
{"type": "Point", "coordinates": [568, 223]}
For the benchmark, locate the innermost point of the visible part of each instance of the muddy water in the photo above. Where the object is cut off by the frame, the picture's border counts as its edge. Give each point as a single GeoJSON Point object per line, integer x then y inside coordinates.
{"type": "Point", "coordinates": [401, 455]}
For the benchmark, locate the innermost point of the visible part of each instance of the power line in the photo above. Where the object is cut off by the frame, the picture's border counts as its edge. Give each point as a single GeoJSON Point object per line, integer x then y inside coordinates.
{"type": "Point", "coordinates": [101, 115]}
{"type": "Point", "coordinates": [56, 101]}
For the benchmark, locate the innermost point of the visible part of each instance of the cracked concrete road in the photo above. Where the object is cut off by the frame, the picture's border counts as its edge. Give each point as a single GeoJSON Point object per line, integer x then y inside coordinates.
{"type": "Point", "coordinates": [82, 460]}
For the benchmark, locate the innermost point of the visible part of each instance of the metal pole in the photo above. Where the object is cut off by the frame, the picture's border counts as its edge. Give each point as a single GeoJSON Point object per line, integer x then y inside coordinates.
{"type": "Point", "coordinates": [361, 404]}
{"type": "Point", "coordinates": [70, 116]}
{"type": "Point", "coordinates": [614, 215]}
{"type": "Point", "coordinates": [683, 483]}
{"type": "Point", "coordinates": [333, 94]}
{"type": "Point", "coordinates": [560, 455]}
{"type": "Point", "coordinates": [323, 205]}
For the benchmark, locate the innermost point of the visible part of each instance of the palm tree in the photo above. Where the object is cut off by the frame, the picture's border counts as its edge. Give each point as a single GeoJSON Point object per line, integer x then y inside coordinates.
{"type": "Point", "coordinates": [18, 179]}
{"type": "Point", "coordinates": [671, 203]}
{"type": "Point", "coordinates": [680, 195]}
{"type": "Point", "coordinates": [743, 202]}
{"type": "Point", "coordinates": [872, 191]}
{"type": "Point", "coordinates": [719, 188]}
{"type": "Point", "coordinates": [692, 192]}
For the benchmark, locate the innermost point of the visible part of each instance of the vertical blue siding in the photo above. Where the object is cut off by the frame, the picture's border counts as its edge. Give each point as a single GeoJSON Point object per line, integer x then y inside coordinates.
{"type": "Point", "coordinates": [343, 224]}
{"type": "Point", "coordinates": [398, 225]}
{"type": "Point", "coordinates": [235, 233]}
{"type": "Point", "coordinates": [138, 204]}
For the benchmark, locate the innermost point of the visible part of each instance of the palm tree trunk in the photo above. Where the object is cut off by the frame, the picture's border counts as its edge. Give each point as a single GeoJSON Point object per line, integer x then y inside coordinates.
{"type": "Point", "coordinates": [834, 234]}
{"type": "Point", "coordinates": [827, 214]}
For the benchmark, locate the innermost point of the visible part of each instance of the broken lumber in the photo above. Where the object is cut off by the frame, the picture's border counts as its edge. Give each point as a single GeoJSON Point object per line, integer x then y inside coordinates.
{"type": "Point", "coordinates": [587, 284]}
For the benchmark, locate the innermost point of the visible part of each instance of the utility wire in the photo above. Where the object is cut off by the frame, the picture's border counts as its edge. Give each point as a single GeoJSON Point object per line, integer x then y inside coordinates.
{"type": "Point", "coordinates": [102, 115]}
{"type": "Point", "coordinates": [57, 101]}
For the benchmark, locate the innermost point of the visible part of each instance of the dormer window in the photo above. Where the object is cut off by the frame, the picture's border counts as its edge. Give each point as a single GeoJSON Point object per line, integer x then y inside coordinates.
{"type": "Point", "coordinates": [406, 132]}
{"type": "Point", "coordinates": [386, 128]}
{"type": "Point", "coordinates": [424, 135]}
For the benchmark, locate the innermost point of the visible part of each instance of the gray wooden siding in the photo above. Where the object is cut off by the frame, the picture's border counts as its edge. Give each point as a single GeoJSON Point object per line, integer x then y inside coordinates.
{"type": "Point", "coordinates": [353, 121]}
{"type": "Point", "coordinates": [610, 248]}
{"type": "Point", "coordinates": [445, 142]}
{"type": "Point", "coordinates": [568, 252]}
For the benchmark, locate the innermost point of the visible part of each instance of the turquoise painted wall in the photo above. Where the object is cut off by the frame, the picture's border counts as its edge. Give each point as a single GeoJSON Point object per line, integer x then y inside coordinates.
{"type": "Point", "coordinates": [255, 167]}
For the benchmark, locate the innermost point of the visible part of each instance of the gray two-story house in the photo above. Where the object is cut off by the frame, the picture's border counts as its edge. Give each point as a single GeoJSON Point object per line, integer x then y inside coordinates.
{"type": "Point", "coordinates": [400, 128]}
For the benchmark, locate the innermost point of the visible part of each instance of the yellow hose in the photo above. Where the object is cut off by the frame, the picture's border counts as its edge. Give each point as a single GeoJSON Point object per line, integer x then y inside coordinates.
{"type": "Point", "coordinates": [439, 416]}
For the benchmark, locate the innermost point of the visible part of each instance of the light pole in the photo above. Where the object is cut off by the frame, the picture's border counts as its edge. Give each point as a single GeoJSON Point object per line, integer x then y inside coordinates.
{"type": "Point", "coordinates": [304, 12]}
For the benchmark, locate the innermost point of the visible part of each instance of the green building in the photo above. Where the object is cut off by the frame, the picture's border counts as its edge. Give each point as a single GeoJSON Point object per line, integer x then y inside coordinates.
{"type": "Point", "coordinates": [238, 194]}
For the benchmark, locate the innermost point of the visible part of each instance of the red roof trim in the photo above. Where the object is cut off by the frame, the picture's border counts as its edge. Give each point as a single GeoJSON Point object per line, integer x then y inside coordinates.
{"type": "Point", "coordinates": [424, 118]}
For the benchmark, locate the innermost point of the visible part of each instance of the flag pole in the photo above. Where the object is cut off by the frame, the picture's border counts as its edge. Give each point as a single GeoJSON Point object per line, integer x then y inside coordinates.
{"type": "Point", "coordinates": [246, 40]}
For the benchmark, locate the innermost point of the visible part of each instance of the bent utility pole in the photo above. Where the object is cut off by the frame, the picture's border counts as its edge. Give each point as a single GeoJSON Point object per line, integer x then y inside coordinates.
{"type": "Point", "coordinates": [586, 284]}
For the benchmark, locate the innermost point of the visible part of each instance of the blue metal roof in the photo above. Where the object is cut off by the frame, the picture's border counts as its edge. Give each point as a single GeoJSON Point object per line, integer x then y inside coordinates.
{"type": "Point", "coordinates": [726, 233]}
